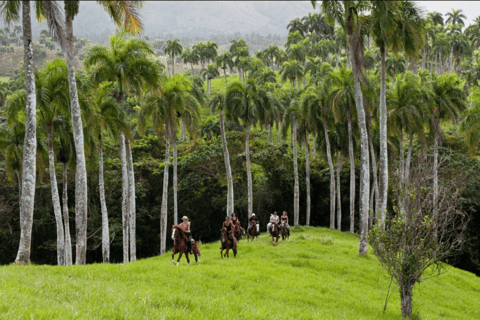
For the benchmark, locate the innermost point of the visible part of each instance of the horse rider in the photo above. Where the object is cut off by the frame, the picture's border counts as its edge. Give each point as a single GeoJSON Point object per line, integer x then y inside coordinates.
{"type": "Point", "coordinates": [252, 222]}
{"type": "Point", "coordinates": [228, 226]}
{"type": "Point", "coordinates": [185, 225]}
{"type": "Point", "coordinates": [235, 220]}
{"type": "Point", "coordinates": [273, 221]}
{"type": "Point", "coordinates": [283, 218]}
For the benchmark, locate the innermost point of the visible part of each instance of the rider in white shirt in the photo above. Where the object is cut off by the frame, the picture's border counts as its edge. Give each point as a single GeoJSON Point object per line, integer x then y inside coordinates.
{"type": "Point", "coordinates": [273, 220]}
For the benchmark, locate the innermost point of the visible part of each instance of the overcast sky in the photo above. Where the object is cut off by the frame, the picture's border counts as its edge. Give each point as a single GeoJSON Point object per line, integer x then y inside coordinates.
{"type": "Point", "coordinates": [471, 9]}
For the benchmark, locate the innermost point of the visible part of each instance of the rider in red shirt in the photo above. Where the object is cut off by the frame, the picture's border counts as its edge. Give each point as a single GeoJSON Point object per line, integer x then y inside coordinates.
{"type": "Point", "coordinates": [185, 225]}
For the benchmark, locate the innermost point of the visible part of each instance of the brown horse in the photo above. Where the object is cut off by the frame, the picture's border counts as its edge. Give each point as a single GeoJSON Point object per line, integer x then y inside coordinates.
{"type": "Point", "coordinates": [275, 233]}
{"type": "Point", "coordinates": [238, 231]}
{"type": "Point", "coordinates": [284, 230]}
{"type": "Point", "coordinates": [252, 233]}
{"type": "Point", "coordinates": [227, 244]}
{"type": "Point", "coordinates": [180, 245]}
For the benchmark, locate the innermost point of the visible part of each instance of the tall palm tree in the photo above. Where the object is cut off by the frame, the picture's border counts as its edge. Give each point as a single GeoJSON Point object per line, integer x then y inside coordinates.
{"type": "Point", "coordinates": [244, 102]}
{"type": "Point", "coordinates": [125, 62]}
{"type": "Point", "coordinates": [173, 48]}
{"type": "Point", "coordinates": [456, 17]}
{"type": "Point", "coordinates": [225, 61]}
{"type": "Point", "coordinates": [219, 101]}
{"type": "Point", "coordinates": [346, 13]}
{"type": "Point", "coordinates": [470, 125]}
{"type": "Point", "coordinates": [296, 25]}
{"type": "Point", "coordinates": [436, 17]}
{"type": "Point", "coordinates": [190, 56]}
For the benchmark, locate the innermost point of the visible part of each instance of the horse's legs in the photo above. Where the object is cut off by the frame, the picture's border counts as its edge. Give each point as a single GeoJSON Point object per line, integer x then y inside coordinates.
{"type": "Point", "coordinates": [195, 254]}
{"type": "Point", "coordinates": [188, 260]}
{"type": "Point", "coordinates": [221, 252]}
{"type": "Point", "coordinates": [173, 256]}
{"type": "Point", "coordinates": [179, 257]}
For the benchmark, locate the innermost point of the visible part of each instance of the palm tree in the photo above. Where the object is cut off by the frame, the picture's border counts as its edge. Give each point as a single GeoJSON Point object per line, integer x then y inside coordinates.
{"type": "Point", "coordinates": [448, 102]}
{"type": "Point", "coordinates": [244, 102]}
{"type": "Point", "coordinates": [346, 13]}
{"type": "Point", "coordinates": [209, 73]}
{"type": "Point", "coordinates": [239, 49]}
{"type": "Point", "coordinates": [164, 105]}
{"type": "Point", "coordinates": [456, 17]}
{"type": "Point", "coordinates": [436, 18]}
{"type": "Point", "coordinates": [296, 25]}
{"type": "Point", "coordinates": [225, 61]}
{"type": "Point", "coordinates": [190, 56]}
{"type": "Point", "coordinates": [219, 101]}
{"type": "Point", "coordinates": [173, 48]}
{"type": "Point", "coordinates": [125, 62]}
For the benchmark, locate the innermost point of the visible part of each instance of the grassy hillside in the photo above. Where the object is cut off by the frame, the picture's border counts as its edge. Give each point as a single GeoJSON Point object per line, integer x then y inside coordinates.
{"type": "Point", "coordinates": [317, 274]}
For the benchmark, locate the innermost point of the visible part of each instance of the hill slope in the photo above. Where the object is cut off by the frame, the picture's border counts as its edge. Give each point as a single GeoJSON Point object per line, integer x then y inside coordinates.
{"type": "Point", "coordinates": [317, 274]}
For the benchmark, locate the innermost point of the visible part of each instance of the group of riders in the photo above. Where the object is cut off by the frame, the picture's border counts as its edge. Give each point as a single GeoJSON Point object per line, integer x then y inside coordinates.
{"type": "Point", "coordinates": [230, 225]}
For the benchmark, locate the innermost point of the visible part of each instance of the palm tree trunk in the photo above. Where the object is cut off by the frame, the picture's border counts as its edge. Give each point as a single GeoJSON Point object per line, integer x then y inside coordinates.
{"type": "Point", "coordinates": [383, 161]}
{"type": "Point", "coordinates": [267, 126]}
{"type": "Point", "coordinates": [339, 196]}
{"type": "Point", "coordinates": [66, 219]}
{"type": "Point", "coordinates": [375, 187]}
{"type": "Point", "coordinates": [435, 173]}
{"type": "Point", "coordinates": [182, 128]}
{"type": "Point", "coordinates": [103, 205]}
{"type": "Point", "coordinates": [407, 176]}
{"type": "Point", "coordinates": [131, 201]}
{"type": "Point", "coordinates": [163, 214]}
{"type": "Point", "coordinates": [314, 151]}
{"type": "Point", "coordinates": [364, 157]}
{"type": "Point", "coordinates": [370, 217]}
{"type": "Point", "coordinates": [295, 173]}
{"type": "Point", "coordinates": [352, 173]}
{"type": "Point", "coordinates": [401, 169]}
{"type": "Point", "coordinates": [228, 169]}
{"type": "Point", "coordinates": [249, 173]}
{"type": "Point", "coordinates": [56, 200]}
{"type": "Point", "coordinates": [332, 177]}
{"type": "Point", "coordinates": [173, 65]}
{"type": "Point", "coordinates": [423, 56]}
{"type": "Point", "coordinates": [175, 181]}
{"type": "Point", "coordinates": [307, 177]}
{"type": "Point", "coordinates": [28, 175]}
{"type": "Point", "coordinates": [81, 170]}
{"type": "Point", "coordinates": [125, 199]}
{"type": "Point", "coordinates": [278, 140]}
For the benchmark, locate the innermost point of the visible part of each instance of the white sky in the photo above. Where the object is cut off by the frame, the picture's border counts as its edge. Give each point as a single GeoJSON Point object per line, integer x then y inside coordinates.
{"type": "Point", "coordinates": [471, 9]}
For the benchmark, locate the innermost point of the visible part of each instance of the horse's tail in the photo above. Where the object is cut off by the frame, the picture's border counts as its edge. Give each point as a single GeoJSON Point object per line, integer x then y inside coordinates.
{"type": "Point", "coordinates": [195, 250]}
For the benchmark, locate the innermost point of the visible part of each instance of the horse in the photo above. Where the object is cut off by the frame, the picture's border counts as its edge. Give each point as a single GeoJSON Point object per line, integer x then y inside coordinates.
{"type": "Point", "coordinates": [227, 244]}
{"type": "Point", "coordinates": [238, 231]}
{"type": "Point", "coordinates": [180, 245]}
{"type": "Point", "coordinates": [284, 230]}
{"type": "Point", "coordinates": [275, 233]}
{"type": "Point", "coordinates": [252, 233]}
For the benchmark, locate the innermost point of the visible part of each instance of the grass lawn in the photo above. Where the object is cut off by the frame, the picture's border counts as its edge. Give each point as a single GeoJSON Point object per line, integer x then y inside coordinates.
{"type": "Point", "coordinates": [317, 274]}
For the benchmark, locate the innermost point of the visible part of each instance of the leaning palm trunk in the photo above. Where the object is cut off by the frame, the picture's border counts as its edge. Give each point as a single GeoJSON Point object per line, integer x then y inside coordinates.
{"type": "Point", "coordinates": [307, 177]}
{"type": "Point", "coordinates": [131, 201]}
{"type": "Point", "coordinates": [295, 173]}
{"type": "Point", "coordinates": [228, 169]}
{"type": "Point", "coordinates": [339, 196]}
{"type": "Point", "coordinates": [81, 170]}
{"type": "Point", "coordinates": [103, 205]}
{"type": "Point", "coordinates": [352, 174]}
{"type": "Point", "coordinates": [249, 173]}
{"type": "Point", "coordinates": [66, 220]}
{"type": "Point", "coordinates": [383, 161]}
{"type": "Point", "coordinates": [175, 183]}
{"type": "Point", "coordinates": [125, 202]}
{"type": "Point", "coordinates": [364, 157]}
{"type": "Point", "coordinates": [164, 208]}
{"type": "Point", "coordinates": [332, 177]}
{"type": "Point", "coordinates": [27, 179]}
{"type": "Point", "coordinates": [56, 201]}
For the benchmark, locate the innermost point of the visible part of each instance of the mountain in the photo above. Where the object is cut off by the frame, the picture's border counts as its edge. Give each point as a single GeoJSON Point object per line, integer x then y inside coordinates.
{"type": "Point", "coordinates": [193, 18]}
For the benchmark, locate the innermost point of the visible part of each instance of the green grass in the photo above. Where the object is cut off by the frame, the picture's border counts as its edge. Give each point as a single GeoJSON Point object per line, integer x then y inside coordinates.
{"type": "Point", "coordinates": [317, 274]}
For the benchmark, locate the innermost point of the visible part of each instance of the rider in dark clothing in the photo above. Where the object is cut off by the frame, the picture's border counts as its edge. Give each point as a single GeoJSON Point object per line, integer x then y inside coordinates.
{"type": "Point", "coordinates": [228, 225]}
{"type": "Point", "coordinates": [252, 222]}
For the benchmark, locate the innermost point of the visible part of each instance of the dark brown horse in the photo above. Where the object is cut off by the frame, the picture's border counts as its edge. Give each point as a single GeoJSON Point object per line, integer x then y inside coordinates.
{"type": "Point", "coordinates": [284, 230]}
{"type": "Point", "coordinates": [227, 244]}
{"type": "Point", "coordinates": [238, 231]}
{"type": "Point", "coordinates": [252, 233]}
{"type": "Point", "coordinates": [180, 245]}
{"type": "Point", "coordinates": [275, 233]}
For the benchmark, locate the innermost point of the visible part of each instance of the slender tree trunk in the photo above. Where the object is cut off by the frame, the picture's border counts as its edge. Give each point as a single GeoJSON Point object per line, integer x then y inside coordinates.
{"type": "Point", "coordinates": [175, 181]}
{"type": "Point", "coordinates": [28, 176]}
{"type": "Point", "coordinates": [131, 201]}
{"type": "Point", "coordinates": [81, 170]}
{"type": "Point", "coordinates": [383, 161]}
{"type": "Point", "coordinates": [339, 196]}
{"type": "Point", "coordinates": [276, 125]}
{"type": "Point", "coordinates": [103, 205]}
{"type": "Point", "coordinates": [435, 172]}
{"type": "Point", "coordinates": [406, 292]}
{"type": "Point", "coordinates": [228, 169]}
{"type": "Point", "coordinates": [249, 173]}
{"type": "Point", "coordinates": [332, 177]}
{"type": "Point", "coordinates": [401, 169]}
{"type": "Point", "coordinates": [423, 56]}
{"type": "Point", "coordinates": [164, 210]}
{"type": "Point", "coordinates": [307, 177]}
{"type": "Point", "coordinates": [267, 127]}
{"type": "Point", "coordinates": [374, 210]}
{"type": "Point", "coordinates": [296, 196]}
{"type": "Point", "coordinates": [66, 220]}
{"type": "Point", "coordinates": [314, 144]}
{"type": "Point", "coordinates": [352, 173]}
{"type": "Point", "coordinates": [407, 177]}
{"type": "Point", "coordinates": [125, 199]}
{"type": "Point", "coordinates": [182, 128]}
{"type": "Point", "coordinates": [56, 200]}
{"type": "Point", "coordinates": [173, 65]}
{"type": "Point", "coordinates": [364, 157]}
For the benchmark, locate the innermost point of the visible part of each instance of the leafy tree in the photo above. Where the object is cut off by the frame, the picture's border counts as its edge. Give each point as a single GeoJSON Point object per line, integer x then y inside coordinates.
{"type": "Point", "coordinates": [456, 17]}
{"type": "Point", "coordinates": [173, 48]}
